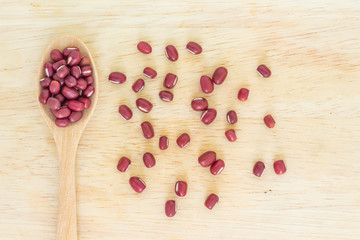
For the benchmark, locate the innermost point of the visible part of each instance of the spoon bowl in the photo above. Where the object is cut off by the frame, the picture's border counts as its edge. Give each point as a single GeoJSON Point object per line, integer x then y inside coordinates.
{"type": "Point", "coordinates": [67, 140]}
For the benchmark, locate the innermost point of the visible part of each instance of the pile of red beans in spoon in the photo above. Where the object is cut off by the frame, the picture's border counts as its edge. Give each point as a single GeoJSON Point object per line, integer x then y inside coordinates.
{"type": "Point", "coordinates": [67, 85]}
{"type": "Point", "coordinates": [207, 159]}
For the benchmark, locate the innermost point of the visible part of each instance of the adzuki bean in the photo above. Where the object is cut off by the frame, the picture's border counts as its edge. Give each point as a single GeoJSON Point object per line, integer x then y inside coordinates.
{"type": "Point", "coordinates": [217, 167]}
{"type": "Point", "coordinates": [86, 101]}
{"type": "Point", "coordinates": [138, 85]}
{"type": "Point", "coordinates": [137, 184]}
{"type": "Point", "coordinates": [69, 93]}
{"type": "Point", "coordinates": [117, 77]}
{"type": "Point", "coordinates": [208, 116]}
{"type": "Point", "coordinates": [163, 143]}
{"type": "Point", "coordinates": [199, 104]}
{"type": "Point", "coordinates": [243, 94]}
{"type": "Point", "coordinates": [144, 47]}
{"type": "Point", "coordinates": [206, 84]}
{"type": "Point", "coordinates": [183, 140]}
{"type": "Point", "coordinates": [207, 159]}
{"type": "Point", "coordinates": [279, 167]}
{"type": "Point", "coordinates": [231, 135]}
{"type": "Point", "coordinates": [44, 96]}
{"type": "Point", "coordinates": [147, 130]}
{"type": "Point", "coordinates": [53, 103]}
{"type": "Point", "coordinates": [76, 105]}
{"type": "Point", "coordinates": [170, 80]}
{"type": "Point", "coordinates": [149, 72]}
{"type": "Point", "coordinates": [123, 164]}
{"type": "Point", "coordinates": [86, 71]}
{"type": "Point", "coordinates": [269, 121]}
{"type": "Point", "coordinates": [58, 64]}
{"type": "Point", "coordinates": [231, 117]}
{"type": "Point", "coordinates": [171, 53]}
{"type": "Point", "coordinates": [74, 58]}
{"type": "Point", "coordinates": [54, 87]}
{"type": "Point", "coordinates": [62, 71]}
{"type": "Point", "coordinates": [68, 50]}
{"type": "Point", "coordinates": [194, 48]}
{"type": "Point", "coordinates": [259, 168]}
{"type": "Point", "coordinates": [81, 84]}
{"type": "Point", "coordinates": [48, 69]}
{"type": "Point", "coordinates": [166, 96]}
{"type": "Point", "coordinates": [63, 112]}
{"type": "Point", "coordinates": [45, 82]}
{"type": "Point", "coordinates": [181, 188]}
{"type": "Point", "coordinates": [125, 112]}
{"type": "Point", "coordinates": [70, 81]}
{"type": "Point", "coordinates": [56, 55]}
{"type": "Point", "coordinates": [75, 71]}
{"type": "Point", "coordinates": [211, 201]}
{"type": "Point", "coordinates": [264, 71]}
{"type": "Point", "coordinates": [62, 122]}
{"type": "Point", "coordinates": [84, 61]}
{"type": "Point", "coordinates": [75, 116]}
{"type": "Point", "coordinates": [219, 75]}
{"type": "Point", "coordinates": [170, 208]}
{"type": "Point", "coordinates": [89, 91]}
{"type": "Point", "coordinates": [149, 160]}
{"type": "Point", "coordinates": [144, 105]}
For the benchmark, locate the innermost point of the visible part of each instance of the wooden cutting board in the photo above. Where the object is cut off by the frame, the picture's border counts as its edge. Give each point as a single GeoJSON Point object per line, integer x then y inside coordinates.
{"type": "Point", "coordinates": [313, 51]}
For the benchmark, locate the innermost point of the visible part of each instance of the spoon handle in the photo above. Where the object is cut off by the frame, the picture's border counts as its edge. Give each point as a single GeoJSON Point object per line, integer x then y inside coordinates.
{"type": "Point", "coordinates": [67, 223]}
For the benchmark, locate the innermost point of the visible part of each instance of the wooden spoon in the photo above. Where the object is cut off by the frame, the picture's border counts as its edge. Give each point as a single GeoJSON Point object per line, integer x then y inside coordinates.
{"type": "Point", "coordinates": [67, 140]}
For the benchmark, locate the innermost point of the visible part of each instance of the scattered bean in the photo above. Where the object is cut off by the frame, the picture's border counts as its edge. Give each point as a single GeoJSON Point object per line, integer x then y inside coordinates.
{"type": "Point", "coordinates": [125, 112]}
{"type": "Point", "coordinates": [264, 71]}
{"type": "Point", "coordinates": [207, 85]}
{"type": "Point", "coordinates": [144, 105]}
{"type": "Point", "coordinates": [259, 168]}
{"type": "Point", "coordinates": [147, 130]}
{"type": "Point", "coordinates": [170, 208]}
{"type": "Point", "coordinates": [219, 75]}
{"type": "Point", "coordinates": [194, 48]}
{"type": "Point", "coordinates": [207, 159]}
{"type": "Point", "coordinates": [137, 184]}
{"type": "Point", "coordinates": [181, 188]}
{"type": "Point", "coordinates": [149, 160]}
{"type": "Point", "coordinates": [149, 72]}
{"type": "Point", "coordinates": [163, 143]}
{"type": "Point", "coordinates": [123, 164]}
{"type": "Point", "coordinates": [117, 77]}
{"type": "Point", "coordinates": [138, 85]}
{"type": "Point", "coordinates": [144, 47]}
{"type": "Point", "coordinates": [166, 96]}
{"type": "Point", "coordinates": [279, 167]}
{"type": "Point", "coordinates": [217, 167]}
{"type": "Point", "coordinates": [199, 104]}
{"type": "Point", "coordinates": [231, 117]}
{"type": "Point", "coordinates": [231, 135]}
{"type": "Point", "coordinates": [170, 80]}
{"type": "Point", "coordinates": [208, 116]}
{"type": "Point", "coordinates": [243, 94]}
{"type": "Point", "coordinates": [269, 121]}
{"type": "Point", "coordinates": [171, 53]}
{"type": "Point", "coordinates": [183, 140]}
{"type": "Point", "coordinates": [211, 201]}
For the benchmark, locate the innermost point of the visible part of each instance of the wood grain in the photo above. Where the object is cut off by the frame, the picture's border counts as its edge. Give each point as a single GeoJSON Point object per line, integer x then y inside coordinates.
{"type": "Point", "coordinates": [312, 49]}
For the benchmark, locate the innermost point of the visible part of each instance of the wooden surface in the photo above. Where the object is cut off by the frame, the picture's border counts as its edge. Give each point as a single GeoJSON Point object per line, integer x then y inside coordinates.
{"type": "Point", "coordinates": [312, 48]}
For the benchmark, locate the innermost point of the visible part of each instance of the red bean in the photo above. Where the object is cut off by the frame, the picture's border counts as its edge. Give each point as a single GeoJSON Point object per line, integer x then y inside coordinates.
{"type": "Point", "coordinates": [231, 135]}
{"type": "Point", "coordinates": [125, 112]}
{"type": "Point", "coordinates": [70, 81]}
{"type": "Point", "coordinates": [68, 50]}
{"type": "Point", "coordinates": [264, 71]}
{"type": "Point", "coordinates": [269, 121]}
{"type": "Point", "coordinates": [74, 58]}
{"type": "Point", "coordinates": [171, 53]}
{"type": "Point", "coordinates": [56, 55]}
{"type": "Point", "coordinates": [84, 61]}
{"type": "Point", "coordinates": [208, 116]}
{"type": "Point", "coordinates": [63, 112]}
{"type": "Point", "coordinates": [170, 80]}
{"type": "Point", "coordinates": [75, 71]}
{"type": "Point", "coordinates": [62, 71]}
{"type": "Point", "coordinates": [123, 164]}
{"type": "Point", "coordinates": [194, 48]}
{"type": "Point", "coordinates": [86, 71]}
{"type": "Point", "coordinates": [144, 105]}
{"type": "Point", "coordinates": [48, 69]}
{"type": "Point", "coordinates": [57, 78]}
{"type": "Point", "coordinates": [219, 75]}
{"type": "Point", "coordinates": [58, 64]}
{"type": "Point", "coordinates": [54, 87]}
{"type": "Point", "coordinates": [211, 201]}
{"type": "Point", "coordinates": [44, 96]}
{"type": "Point", "coordinates": [62, 122]}
{"type": "Point", "coordinates": [149, 72]}
{"type": "Point", "coordinates": [137, 184]}
{"type": "Point", "coordinates": [138, 85]}
{"type": "Point", "coordinates": [76, 105]}
{"type": "Point", "coordinates": [181, 188]}
{"type": "Point", "coordinates": [147, 130]}
{"type": "Point", "coordinates": [231, 117]}
{"type": "Point", "coordinates": [90, 80]}
{"type": "Point", "coordinates": [144, 47]}
{"type": "Point", "coordinates": [217, 167]}
{"type": "Point", "coordinates": [183, 140]}
{"type": "Point", "coordinates": [199, 104]}
{"type": "Point", "coordinates": [81, 84]}
{"type": "Point", "coordinates": [279, 167]}
{"type": "Point", "coordinates": [53, 103]}
{"type": "Point", "coordinates": [117, 77]}
{"type": "Point", "coordinates": [149, 160]}
{"type": "Point", "coordinates": [170, 208]}
{"type": "Point", "coordinates": [259, 168]}
{"type": "Point", "coordinates": [163, 143]}
{"type": "Point", "coordinates": [86, 101]}
{"type": "Point", "coordinates": [69, 93]}
{"type": "Point", "coordinates": [75, 116]}
{"type": "Point", "coordinates": [45, 82]}
{"type": "Point", "coordinates": [60, 97]}
{"type": "Point", "coordinates": [207, 85]}
{"type": "Point", "coordinates": [243, 94]}
{"type": "Point", "coordinates": [207, 159]}
{"type": "Point", "coordinates": [65, 103]}
{"type": "Point", "coordinates": [89, 91]}
{"type": "Point", "coordinates": [166, 96]}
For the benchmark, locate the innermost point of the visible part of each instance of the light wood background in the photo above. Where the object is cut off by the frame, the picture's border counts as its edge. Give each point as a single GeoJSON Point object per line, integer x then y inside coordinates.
{"type": "Point", "coordinates": [312, 48]}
